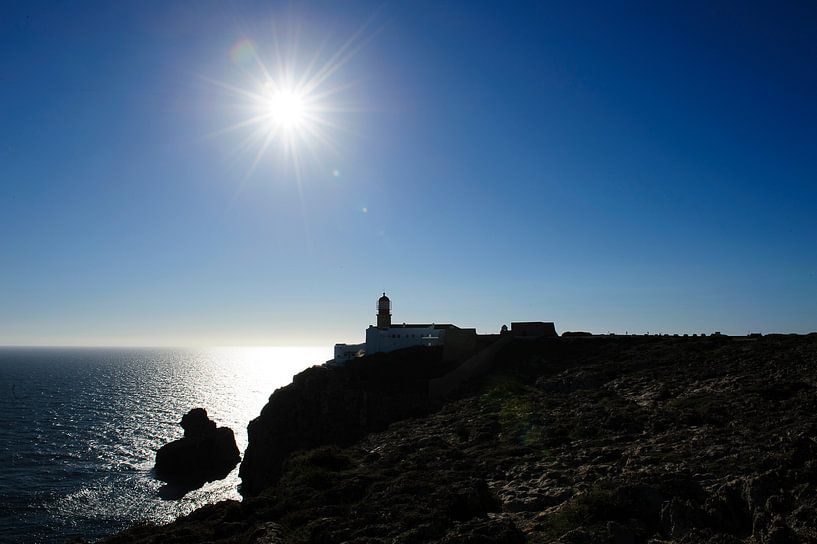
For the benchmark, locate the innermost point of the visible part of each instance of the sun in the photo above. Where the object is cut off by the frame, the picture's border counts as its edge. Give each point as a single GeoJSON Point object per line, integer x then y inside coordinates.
{"type": "Point", "coordinates": [288, 102]}
{"type": "Point", "coordinates": [286, 109]}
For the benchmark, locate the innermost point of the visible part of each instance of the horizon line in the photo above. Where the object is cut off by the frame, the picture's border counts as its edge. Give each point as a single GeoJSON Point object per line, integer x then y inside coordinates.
{"type": "Point", "coordinates": [154, 346]}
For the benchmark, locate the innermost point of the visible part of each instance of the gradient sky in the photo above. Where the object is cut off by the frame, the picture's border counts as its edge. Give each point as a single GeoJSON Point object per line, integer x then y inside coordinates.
{"type": "Point", "coordinates": [624, 167]}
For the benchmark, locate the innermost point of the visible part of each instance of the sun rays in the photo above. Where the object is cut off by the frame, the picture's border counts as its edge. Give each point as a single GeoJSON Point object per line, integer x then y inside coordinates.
{"type": "Point", "coordinates": [286, 103]}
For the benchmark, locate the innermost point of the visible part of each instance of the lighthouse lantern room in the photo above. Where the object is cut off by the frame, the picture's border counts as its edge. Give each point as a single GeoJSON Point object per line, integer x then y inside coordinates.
{"type": "Point", "coordinates": [383, 312]}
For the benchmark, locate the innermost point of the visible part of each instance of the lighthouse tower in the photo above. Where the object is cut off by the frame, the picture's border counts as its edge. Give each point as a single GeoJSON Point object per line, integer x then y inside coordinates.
{"type": "Point", "coordinates": [383, 312]}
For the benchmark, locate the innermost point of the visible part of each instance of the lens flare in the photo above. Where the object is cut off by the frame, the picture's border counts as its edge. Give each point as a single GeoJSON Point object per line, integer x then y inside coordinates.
{"type": "Point", "coordinates": [242, 52]}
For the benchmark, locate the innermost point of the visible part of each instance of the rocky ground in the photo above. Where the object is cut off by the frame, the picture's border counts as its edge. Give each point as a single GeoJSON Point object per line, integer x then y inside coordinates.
{"type": "Point", "coordinates": [572, 440]}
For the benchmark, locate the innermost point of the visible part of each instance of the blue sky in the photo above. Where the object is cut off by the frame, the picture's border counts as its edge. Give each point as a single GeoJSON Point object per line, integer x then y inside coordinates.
{"type": "Point", "coordinates": [626, 167]}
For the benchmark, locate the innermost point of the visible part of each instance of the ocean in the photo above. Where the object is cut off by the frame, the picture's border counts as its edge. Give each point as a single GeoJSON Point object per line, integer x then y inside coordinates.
{"type": "Point", "coordinates": [79, 429]}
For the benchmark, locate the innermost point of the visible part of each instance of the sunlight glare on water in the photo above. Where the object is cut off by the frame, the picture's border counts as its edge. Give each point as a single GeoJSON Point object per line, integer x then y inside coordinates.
{"type": "Point", "coordinates": [83, 426]}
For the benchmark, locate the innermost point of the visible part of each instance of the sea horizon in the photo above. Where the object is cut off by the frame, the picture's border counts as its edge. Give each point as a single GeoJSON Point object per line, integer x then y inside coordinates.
{"type": "Point", "coordinates": [84, 423]}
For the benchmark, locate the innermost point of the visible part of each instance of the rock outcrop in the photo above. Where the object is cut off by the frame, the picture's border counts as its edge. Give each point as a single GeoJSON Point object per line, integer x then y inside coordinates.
{"type": "Point", "coordinates": [571, 440]}
{"type": "Point", "coordinates": [204, 454]}
{"type": "Point", "coordinates": [338, 405]}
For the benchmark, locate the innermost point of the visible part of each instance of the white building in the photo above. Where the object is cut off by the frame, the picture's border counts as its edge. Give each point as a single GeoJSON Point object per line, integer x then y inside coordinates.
{"type": "Point", "coordinates": [385, 337]}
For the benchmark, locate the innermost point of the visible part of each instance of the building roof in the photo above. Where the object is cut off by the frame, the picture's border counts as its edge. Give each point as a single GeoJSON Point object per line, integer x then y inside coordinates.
{"type": "Point", "coordinates": [529, 323]}
{"type": "Point", "coordinates": [422, 326]}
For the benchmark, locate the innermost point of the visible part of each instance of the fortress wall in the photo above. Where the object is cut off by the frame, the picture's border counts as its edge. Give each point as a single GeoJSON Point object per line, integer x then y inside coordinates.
{"type": "Point", "coordinates": [534, 328]}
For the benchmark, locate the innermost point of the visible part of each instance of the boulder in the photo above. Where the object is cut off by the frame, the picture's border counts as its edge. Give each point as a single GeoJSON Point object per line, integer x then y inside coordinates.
{"type": "Point", "coordinates": [205, 453]}
{"type": "Point", "coordinates": [196, 423]}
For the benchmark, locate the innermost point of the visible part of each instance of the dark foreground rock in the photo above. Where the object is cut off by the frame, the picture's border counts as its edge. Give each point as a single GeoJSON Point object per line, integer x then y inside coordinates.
{"type": "Point", "coordinates": [337, 406]}
{"type": "Point", "coordinates": [204, 454]}
{"type": "Point", "coordinates": [573, 440]}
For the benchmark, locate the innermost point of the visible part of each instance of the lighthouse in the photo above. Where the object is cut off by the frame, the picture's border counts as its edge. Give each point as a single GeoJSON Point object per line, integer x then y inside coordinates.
{"type": "Point", "coordinates": [383, 312]}
{"type": "Point", "coordinates": [456, 343]}
{"type": "Point", "coordinates": [385, 337]}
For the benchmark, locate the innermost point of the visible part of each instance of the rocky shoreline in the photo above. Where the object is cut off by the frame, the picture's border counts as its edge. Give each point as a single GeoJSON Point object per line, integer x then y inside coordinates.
{"type": "Point", "coordinates": [571, 440]}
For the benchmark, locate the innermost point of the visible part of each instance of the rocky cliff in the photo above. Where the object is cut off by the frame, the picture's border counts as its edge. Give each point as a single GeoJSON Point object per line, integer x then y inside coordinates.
{"type": "Point", "coordinates": [572, 440]}
{"type": "Point", "coordinates": [337, 405]}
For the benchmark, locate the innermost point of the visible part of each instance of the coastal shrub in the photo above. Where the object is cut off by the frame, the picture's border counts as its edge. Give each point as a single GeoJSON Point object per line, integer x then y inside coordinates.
{"type": "Point", "coordinates": [519, 423]}
{"type": "Point", "coordinates": [701, 409]}
{"type": "Point", "coordinates": [584, 432]}
{"type": "Point", "coordinates": [328, 457]}
{"type": "Point", "coordinates": [518, 418]}
{"type": "Point", "coordinates": [622, 415]}
{"type": "Point", "coordinates": [316, 468]}
{"type": "Point", "coordinates": [515, 411]}
{"type": "Point", "coordinates": [499, 388]}
{"type": "Point", "coordinates": [612, 512]}
{"type": "Point", "coordinates": [586, 510]}
{"type": "Point", "coordinates": [632, 509]}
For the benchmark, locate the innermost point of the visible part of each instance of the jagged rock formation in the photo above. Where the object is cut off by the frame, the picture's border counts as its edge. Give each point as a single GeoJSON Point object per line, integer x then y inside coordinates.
{"type": "Point", "coordinates": [204, 454]}
{"type": "Point", "coordinates": [337, 405]}
{"type": "Point", "coordinates": [572, 440]}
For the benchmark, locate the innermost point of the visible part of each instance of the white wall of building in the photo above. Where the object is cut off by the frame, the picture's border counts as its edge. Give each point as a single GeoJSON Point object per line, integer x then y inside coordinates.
{"type": "Point", "coordinates": [385, 340]}
{"type": "Point", "coordinates": [346, 352]}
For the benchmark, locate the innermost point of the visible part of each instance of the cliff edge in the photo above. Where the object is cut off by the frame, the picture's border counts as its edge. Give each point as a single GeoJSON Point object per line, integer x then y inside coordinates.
{"type": "Point", "coordinates": [570, 440]}
{"type": "Point", "coordinates": [337, 405]}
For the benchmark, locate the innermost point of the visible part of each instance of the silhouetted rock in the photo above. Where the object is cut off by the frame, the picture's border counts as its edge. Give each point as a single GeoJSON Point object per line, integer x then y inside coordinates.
{"type": "Point", "coordinates": [337, 405]}
{"type": "Point", "coordinates": [204, 454]}
{"type": "Point", "coordinates": [196, 423]}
